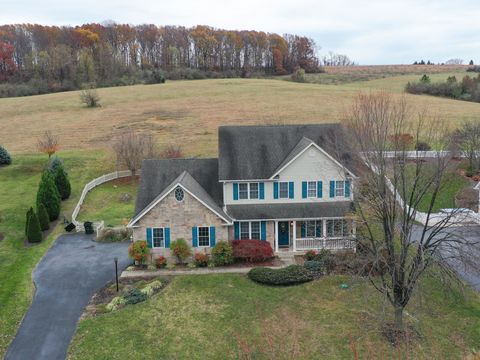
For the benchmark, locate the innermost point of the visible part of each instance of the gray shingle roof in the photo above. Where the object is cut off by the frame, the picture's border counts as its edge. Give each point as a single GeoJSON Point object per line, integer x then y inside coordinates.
{"type": "Point", "coordinates": [255, 152]}
{"type": "Point", "coordinates": [289, 211]}
{"type": "Point", "coordinates": [158, 175]}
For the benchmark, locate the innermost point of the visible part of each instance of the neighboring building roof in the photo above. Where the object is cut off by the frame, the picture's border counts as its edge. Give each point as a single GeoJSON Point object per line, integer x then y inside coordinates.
{"type": "Point", "coordinates": [290, 211]}
{"type": "Point", "coordinates": [256, 152]}
{"type": "Point", "coordinates": [159, 175]}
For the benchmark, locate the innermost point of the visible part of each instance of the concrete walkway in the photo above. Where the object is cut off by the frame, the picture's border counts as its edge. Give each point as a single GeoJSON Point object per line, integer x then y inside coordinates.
{"type": "Point", "coordinates": [72, 270]}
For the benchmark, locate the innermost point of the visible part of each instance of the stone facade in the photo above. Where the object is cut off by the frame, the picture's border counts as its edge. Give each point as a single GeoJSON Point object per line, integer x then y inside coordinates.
{"type": "Point", "coordinates": [180, 217]}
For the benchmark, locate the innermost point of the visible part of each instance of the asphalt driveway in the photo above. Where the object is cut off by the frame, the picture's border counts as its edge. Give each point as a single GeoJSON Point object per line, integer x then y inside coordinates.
{"type": "Point", "coordinates": [65, 279]}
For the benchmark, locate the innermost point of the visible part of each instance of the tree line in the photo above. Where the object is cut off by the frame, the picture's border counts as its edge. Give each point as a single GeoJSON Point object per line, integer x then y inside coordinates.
{"type": "Point", "coordinates": [109, 54]}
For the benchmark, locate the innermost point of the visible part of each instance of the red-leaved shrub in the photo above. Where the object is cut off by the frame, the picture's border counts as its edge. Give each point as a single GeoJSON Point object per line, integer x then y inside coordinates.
{"type": "Point", "coordinates": [201, 259]}
{"type": "Point", "coordinates": [252, 250]}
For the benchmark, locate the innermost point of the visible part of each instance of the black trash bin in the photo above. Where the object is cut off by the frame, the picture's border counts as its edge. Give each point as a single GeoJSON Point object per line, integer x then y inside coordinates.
{"type": "Point", "coordinates": [88, 225]}
{"type": "Point", "coordinates": [70, 227]}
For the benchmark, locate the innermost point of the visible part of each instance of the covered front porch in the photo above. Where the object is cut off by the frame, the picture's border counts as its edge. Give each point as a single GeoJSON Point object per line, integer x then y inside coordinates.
{"type": "Point", "coordinates": [314, 234]}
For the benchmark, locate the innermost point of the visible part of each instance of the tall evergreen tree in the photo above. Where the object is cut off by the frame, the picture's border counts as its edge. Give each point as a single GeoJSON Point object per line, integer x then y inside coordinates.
{"type": "Point", "coordinates": [43, 217]}
{"type": "Point", "coordinates": [62, 182]}
{"type": "Point", "coordinates": [29, 213]}
{"type": "Point", "coordinates": [34, 234]}
{"type": "Point", "coordinates": [5, 158]}
{"type": "Point", "coordinates": [49, 196]}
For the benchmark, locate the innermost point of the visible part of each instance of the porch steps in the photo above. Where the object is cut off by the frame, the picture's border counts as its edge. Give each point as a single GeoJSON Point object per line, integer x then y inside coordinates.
{"type": "Point", "coordinates": [286, 257]}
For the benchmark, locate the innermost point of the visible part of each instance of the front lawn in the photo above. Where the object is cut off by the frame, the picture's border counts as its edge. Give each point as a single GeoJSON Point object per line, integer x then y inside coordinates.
{"type": "Point", "coordinates": [107, 202]}
{"type": "Point", "coordinates": [19, 183]}
{"type": "Point", "coordinates": [227, 316]}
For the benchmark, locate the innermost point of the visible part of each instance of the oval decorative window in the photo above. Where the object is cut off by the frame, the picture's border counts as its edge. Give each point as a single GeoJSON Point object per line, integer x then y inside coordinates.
{"type": "Point", "coordinates": [179, 194]}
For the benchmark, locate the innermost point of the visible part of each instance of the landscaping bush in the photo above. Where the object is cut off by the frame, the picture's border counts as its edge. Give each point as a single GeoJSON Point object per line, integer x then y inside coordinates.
{"type": "Point", "coordinates": [201, 259]}
{"type": "Point", "coordinates": [114, 234]}
{"type": "Point", "coordinates": [90, 97]}
{"type": "Point", "coordinates": [54, 163]}
{"type": "Point", "coordinates": [48, 195]}
{"type": "Point", "coordinates": [222, 253]}
{"type": "Point", "coordinates": [27, 219]}
{"type": "Point", "coordinates": [299, 76]}
{"type": "Point", "coordinates": [252, 250]}
{"type": "Point", "coordinates": [5, 158]}
{"type": "Point", "coordinates": [310, 255]}
{"type": "Point", "coordinates": [422, 146]}
{"type": "Point", "coordinates": [291, 275]}
{"type": "Point", "coordinates": [316, 268]}
{"type": "Point", "coordinates": [139, 251]}
{"type": "Point", "coordinates": [326, 259]}
{"type": "Point", "coordinates": [160, 262]}
{"type": "Point", "coordinates": [134, 296]}
{"type": "Point", "coordinates": [34, 233]}
{"type": "Point", "coordinates": [43, 218]}
{"type": "Point", "coordinates": [180, 249]}
{"type": "Point", "coordinates": [62, 182]}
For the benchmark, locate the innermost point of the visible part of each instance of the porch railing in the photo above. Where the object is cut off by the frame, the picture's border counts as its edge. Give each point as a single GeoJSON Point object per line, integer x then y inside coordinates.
{"type": "Point", "coordinates": [325, 243]}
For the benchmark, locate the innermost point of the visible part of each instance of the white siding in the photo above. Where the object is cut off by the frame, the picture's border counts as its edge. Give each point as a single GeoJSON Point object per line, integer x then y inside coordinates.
{"type": "Point", "coordinates": [312, 165]}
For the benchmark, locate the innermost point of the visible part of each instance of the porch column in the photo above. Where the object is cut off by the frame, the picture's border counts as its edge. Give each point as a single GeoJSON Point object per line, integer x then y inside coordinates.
{"type": "Point", "coordinates": [294, 235]}
{"type": "Point", "coordinates": [324, 231]}
{"type": "Point", "coordinates": [276, 236]}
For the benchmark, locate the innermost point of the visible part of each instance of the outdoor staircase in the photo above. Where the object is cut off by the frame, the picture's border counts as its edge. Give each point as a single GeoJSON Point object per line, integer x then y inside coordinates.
{"type": "Point", "coordinates": [286, 257]}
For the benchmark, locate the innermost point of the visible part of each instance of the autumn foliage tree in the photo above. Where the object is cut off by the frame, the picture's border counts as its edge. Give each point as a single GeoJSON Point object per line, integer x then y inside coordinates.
{"type": "Point", "coordinates": [7, 63]}
{"type": "Point", "coordinates": [48, 143]}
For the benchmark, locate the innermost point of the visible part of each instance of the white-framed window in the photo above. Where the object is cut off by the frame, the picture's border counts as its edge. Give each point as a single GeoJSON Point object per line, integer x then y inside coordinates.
{"type": "Point", "coordinates": [203, 236]}
{"type": "Point", "coordinates": [158, 238]}
{"type": "Point", "coordinates": [312, 189]}
{"type": "Point", "coordinates": [253, 190]}
{"type": "Point", "coordinates": [248, 191]}
{"type": "Point", "coordinates": [244, 230]}
{"type": "Point", "coordinates": [311, 228]}
{"type": "Point", "coordinates": [337, 228]}
{"type": "Point", "coordinates": [283, 187]}
{"type": "Point", "coordinates": [250, 230]}
{"type": "Point", "coordinates": [255, 230]}
{"type": "Point", "coordinates": [179, 194]}
{"type": "Point", "coordinates": [340, 188]}
{"type": "Point", "coordinates": [243, 191]}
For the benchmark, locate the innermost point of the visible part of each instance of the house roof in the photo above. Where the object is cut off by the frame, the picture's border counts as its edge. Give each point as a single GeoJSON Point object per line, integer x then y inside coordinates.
{"type": "Point", "coordinates": [256, 152]}
{"type": "Point", "coordinates": [198, 176]}
{"type": "Point", "coordinates": [290, 211]}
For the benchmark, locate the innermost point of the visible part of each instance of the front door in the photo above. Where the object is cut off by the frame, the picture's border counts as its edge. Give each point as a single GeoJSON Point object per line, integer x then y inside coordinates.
{"type": "Point", "coordinates": [283, 234]}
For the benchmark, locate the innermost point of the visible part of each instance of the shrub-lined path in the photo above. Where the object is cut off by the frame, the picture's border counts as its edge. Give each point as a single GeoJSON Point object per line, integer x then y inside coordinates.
{"type": "Point", "coordinates": [65, 279]}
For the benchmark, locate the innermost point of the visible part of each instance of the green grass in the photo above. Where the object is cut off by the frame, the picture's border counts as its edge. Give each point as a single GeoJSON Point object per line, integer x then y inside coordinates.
{"type": "Point", "coordinates": [19, 183]}
{"type": "Point", "coordinates": [452, 183]}
{"type": "Point", "coordinates": [225, 316]}
{"type": "Point", "coordinates": [104, 203]}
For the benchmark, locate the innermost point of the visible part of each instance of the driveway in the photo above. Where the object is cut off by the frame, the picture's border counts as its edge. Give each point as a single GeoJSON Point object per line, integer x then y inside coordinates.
{"type": "Point", "coordinates": [65, 279]}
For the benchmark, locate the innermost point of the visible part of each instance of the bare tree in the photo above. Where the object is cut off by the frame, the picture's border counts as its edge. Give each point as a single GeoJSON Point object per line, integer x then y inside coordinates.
{"type": "Point", "coordinates": [332, 59]}
{"type": "Point", "coordinates": [131, 148]}
{"type": "Point", "coordinates": [90, 97]}
{"type": "Point", "coordinates": [469, 141]}
{"type": "Point", "coordinates": [48, 143]}
{"type": "Point", "coordinates": [389, 194]}
{"type": "Point", "coordinates": [454, 61]}
{"type": "Point", "coordinates": [172, 152]}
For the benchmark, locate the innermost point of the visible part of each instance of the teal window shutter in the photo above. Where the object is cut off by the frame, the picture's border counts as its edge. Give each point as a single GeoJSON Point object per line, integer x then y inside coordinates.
{"type": "Point", "coordinates": [275, 190]}
{"type": "Point", "coordinates": [304, 189]}
{"type": "Point", "coordinates": [149, 237]}
{"type": "Point", "coordinates": [347, 188]}
{"type": "Point", "coordinates": [235, 191]}
{"type": "Point", "coordinates": [263, 230]}
{"type": "Point", "coordinates": [167, 237]}
{"type": "Point", "coordinates": [236, 230]}
{"type": "Point", "coordinates": [319, 189]}
{"type": "Point", "coordinates": [194, 237]}
{"type": "Point", "coordinates": [291, 193]}
{"type": "Point", "coordinates": [332, 188]}
{"type": "Point", "coordinates": [261, 190]}
{"type": "Point", "coordinates": [213, 239]}
{"type": "Point", "coordinates": [303, 229]}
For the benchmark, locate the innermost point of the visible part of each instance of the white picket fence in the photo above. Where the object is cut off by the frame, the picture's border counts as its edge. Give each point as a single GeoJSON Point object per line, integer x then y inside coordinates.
{"type": "Point", "coordinates": [92, 184]}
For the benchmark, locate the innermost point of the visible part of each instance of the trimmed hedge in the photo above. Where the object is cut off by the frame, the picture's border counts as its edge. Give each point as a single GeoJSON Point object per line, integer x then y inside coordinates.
{"type": "Point", "coordinates": [290, 275]}
{"type": "Point", "coordinates": [317, 268]}
{"type": "Point", "coordinates": [5, 158]}
{"type": "Point", "coordinates": [252, 250]}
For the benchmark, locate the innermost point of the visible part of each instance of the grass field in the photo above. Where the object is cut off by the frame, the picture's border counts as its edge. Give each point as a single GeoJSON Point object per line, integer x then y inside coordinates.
{"type": "Point", "coordinates": [184, 112]}
{"type": "Point", "coordinates": [189, 112]}
{"type": "Point", "coordinates": [230, 317]}
{"type": "Point", "coordinates": [104, 203]}
{"type": "Point", "coordinates": [19, 183]}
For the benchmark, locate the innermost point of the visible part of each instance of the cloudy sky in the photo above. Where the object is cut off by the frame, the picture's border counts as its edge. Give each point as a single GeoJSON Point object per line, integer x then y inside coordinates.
{"type": "Point", "coordinates": [369, 31]}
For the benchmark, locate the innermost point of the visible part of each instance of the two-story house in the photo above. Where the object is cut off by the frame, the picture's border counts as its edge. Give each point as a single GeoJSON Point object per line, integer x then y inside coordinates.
{"type": "Point", "coordinates": [290, 185]}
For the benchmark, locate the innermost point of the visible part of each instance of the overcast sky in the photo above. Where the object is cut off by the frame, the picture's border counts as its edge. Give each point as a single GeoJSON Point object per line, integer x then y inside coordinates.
{"type": "Point", "coordinates": [369, 31]}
